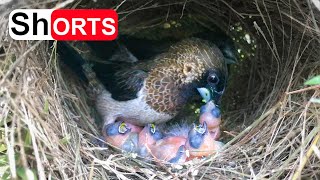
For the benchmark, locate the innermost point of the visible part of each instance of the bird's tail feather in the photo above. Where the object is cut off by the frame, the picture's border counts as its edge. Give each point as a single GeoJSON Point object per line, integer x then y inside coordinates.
{"type": "Point", "coordinates": [70, 57]}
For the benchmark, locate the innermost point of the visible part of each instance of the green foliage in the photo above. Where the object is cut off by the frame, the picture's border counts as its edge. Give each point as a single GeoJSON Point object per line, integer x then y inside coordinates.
{"type": "Point", "coordinates": [313, 81]}
{"type": "Point", "coordinates": [4, 167]}
{"type": "Point", "coordinates": [23, 173]}
{"type": "Point", "coordinates": [26, 173]}
{"type": "Point", "coordinates": [46, 106]}
{"type": "Point", "coordinates": [65, 140]}
{"type": "Point", "coordinates": [27, 139]}
{"type": "Point", "coordinates": [5, 173]}
{"type": "Point", "coordinates": [3, 148]}
{"type": "Point", "coordinates": [4, 160]}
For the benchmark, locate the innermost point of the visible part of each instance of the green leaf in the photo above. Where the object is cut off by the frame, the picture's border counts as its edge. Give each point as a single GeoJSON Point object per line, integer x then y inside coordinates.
{"type": "Point", "coordinates": [3, 147]}
{"type": "Point", "coordinates": [46, 106]}
{"type": "Point", "coordinates": [65, 140]}
{"type": "Point", "coordinates": [27, 139]}
{"type": "Point", "coordinates": [26, 173]}
{"type": "Point", "coordinates": [313, 81]}
{"type": "Point", "coordinates": [4, 160]}
{"type": "Point", "coordinates": [5, 174]}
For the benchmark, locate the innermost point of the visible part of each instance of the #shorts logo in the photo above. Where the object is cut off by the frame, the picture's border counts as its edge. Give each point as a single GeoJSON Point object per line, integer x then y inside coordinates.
{"type": "Point", "coordinates": [63, 24]}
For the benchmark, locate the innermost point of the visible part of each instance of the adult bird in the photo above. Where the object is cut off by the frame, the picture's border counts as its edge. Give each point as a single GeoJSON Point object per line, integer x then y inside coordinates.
{"type": "Point", "coordinates": [153, 91]}
{"type": "Point", "coordinates": [156, 90]}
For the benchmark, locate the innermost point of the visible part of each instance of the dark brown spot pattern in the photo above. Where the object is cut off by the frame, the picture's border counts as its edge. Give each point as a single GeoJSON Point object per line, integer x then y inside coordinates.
{"type": "Point", "coordinates": [185, 62]}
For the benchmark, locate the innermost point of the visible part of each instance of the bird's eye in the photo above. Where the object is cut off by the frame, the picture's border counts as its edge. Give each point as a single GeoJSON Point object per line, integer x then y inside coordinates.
{"type": "Point", "coordinates": [213, 79]}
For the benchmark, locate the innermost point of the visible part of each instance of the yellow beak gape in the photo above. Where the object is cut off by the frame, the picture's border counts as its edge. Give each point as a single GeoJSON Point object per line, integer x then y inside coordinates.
{"type": "Point", "coordinates": [153, 128]}
{"type": "Point", "coordinates": [122, 128]}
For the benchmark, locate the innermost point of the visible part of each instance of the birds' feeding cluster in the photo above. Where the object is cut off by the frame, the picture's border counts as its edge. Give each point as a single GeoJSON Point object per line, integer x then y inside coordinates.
{"type": "Point", "coordinates": [132, 96]}
{"type": "Point", "coordinates": [153, 142]}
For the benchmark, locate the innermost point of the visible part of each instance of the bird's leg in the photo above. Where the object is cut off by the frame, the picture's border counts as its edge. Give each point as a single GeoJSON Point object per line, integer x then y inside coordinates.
{"type": "Point", "coordinates": [211, 114]}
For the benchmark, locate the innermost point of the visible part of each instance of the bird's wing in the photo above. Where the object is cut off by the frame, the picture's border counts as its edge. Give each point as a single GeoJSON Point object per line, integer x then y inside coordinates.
{"type": "Point", "coordinates": [127, 83]}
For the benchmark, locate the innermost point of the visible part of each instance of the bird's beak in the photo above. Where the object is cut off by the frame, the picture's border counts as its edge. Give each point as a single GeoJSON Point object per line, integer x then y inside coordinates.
{"type": "Point", "coordinates": [210, 93]}
{"type": "Point", "coordinates": [229, 55]}
{"type": "Point", "coordinates": [116, 128]}
{"type": "Point", "coordinates": [205, 94]}
{"type": "Point", "coordinates": [231, 58]}
{"type": "Point", "coordinates": [122, 128]}
{"type": "Point", "coordinates": [196, 135]}
{"type": "Point", "coordinates": [155, 132]}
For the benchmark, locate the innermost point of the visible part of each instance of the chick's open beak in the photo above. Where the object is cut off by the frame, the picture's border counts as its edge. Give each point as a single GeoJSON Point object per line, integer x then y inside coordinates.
{"type": "Point", "coordinates": [119, 135]}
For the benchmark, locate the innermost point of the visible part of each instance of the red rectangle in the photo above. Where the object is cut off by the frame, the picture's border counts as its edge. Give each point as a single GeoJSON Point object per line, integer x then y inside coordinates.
{"type": "Point", "coordinates": [84, 24]}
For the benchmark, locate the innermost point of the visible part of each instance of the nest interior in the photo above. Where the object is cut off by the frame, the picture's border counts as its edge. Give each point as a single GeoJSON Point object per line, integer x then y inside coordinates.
{"type": "Point", "coordinates": [271, 126]}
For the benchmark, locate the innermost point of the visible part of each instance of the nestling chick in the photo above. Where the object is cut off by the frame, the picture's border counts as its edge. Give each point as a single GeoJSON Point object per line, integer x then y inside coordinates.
{"type": "Point", "coordinates": [120, 135]}
{"type": "Point", "coordinates": [211, 115]}
{"type": "Point", "coordinates": [200, 143]}
{"type": "Point", "coordinates": [148, 138]}
{"type": "Point", "coordinates": [170, 149]}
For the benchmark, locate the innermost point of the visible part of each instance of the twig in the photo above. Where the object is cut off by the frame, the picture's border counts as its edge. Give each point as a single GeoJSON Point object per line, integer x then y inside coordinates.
{"type": "Point", "coordinates": [63, 4]}
{"type": "Point", "coordinates": [116, 9]}
{"type": "Point", "coordinates": [183, 8]}
{"type": "Point", "coordinates": [18, 61]}
{"type": "Point", "coordinates": [316, 3]}
{"type": "Point", "coordinates": [305, 89]}
{"type": "Point", "coordinates": [306, 157]}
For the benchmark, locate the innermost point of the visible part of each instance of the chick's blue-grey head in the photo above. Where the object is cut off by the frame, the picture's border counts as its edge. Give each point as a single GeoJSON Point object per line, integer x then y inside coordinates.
{"type": "Point", "coordinates": [155, 132]}
{"type": "Point", "coordinates": [196, 135]}
{"type": "Point", "coordinates": [116, 128]}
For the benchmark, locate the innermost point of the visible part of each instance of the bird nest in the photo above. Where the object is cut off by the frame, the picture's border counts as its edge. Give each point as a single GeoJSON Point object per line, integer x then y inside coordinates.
{"type": "Point", "coordinates": [271, 121]}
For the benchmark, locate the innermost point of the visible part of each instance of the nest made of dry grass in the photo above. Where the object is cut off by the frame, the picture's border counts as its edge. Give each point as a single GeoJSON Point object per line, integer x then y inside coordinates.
{"type": "Point", "coordinates": [47, 125]}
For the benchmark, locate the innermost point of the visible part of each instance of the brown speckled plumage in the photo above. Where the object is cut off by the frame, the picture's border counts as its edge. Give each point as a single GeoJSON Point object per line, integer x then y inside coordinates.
{"type": "Point", "coordinates": [155, 91]}
{"type": "Point", "coordinates": [184, 63]}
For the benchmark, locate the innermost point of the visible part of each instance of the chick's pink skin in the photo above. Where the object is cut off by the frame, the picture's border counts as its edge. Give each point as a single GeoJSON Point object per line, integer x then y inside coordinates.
{"type": "Point", "coordinates": [207, 151]}
{"type": "Point", "coordinates": [145, 137]}
{"type": "Point", "coordinates": [167, 148]}
{"type": "Point", "coordinates": [119, 139]}
{"type": "Point", "coordinates": [208, 147]}
{"type": "Point", "coordinates": [134, 128]}
{"type": "Point", "coordinates": [146, 141]}
{"type": "Point", "coordinates": [213, 123]}
{"type": "Point", "coordinates": [215, 133]}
